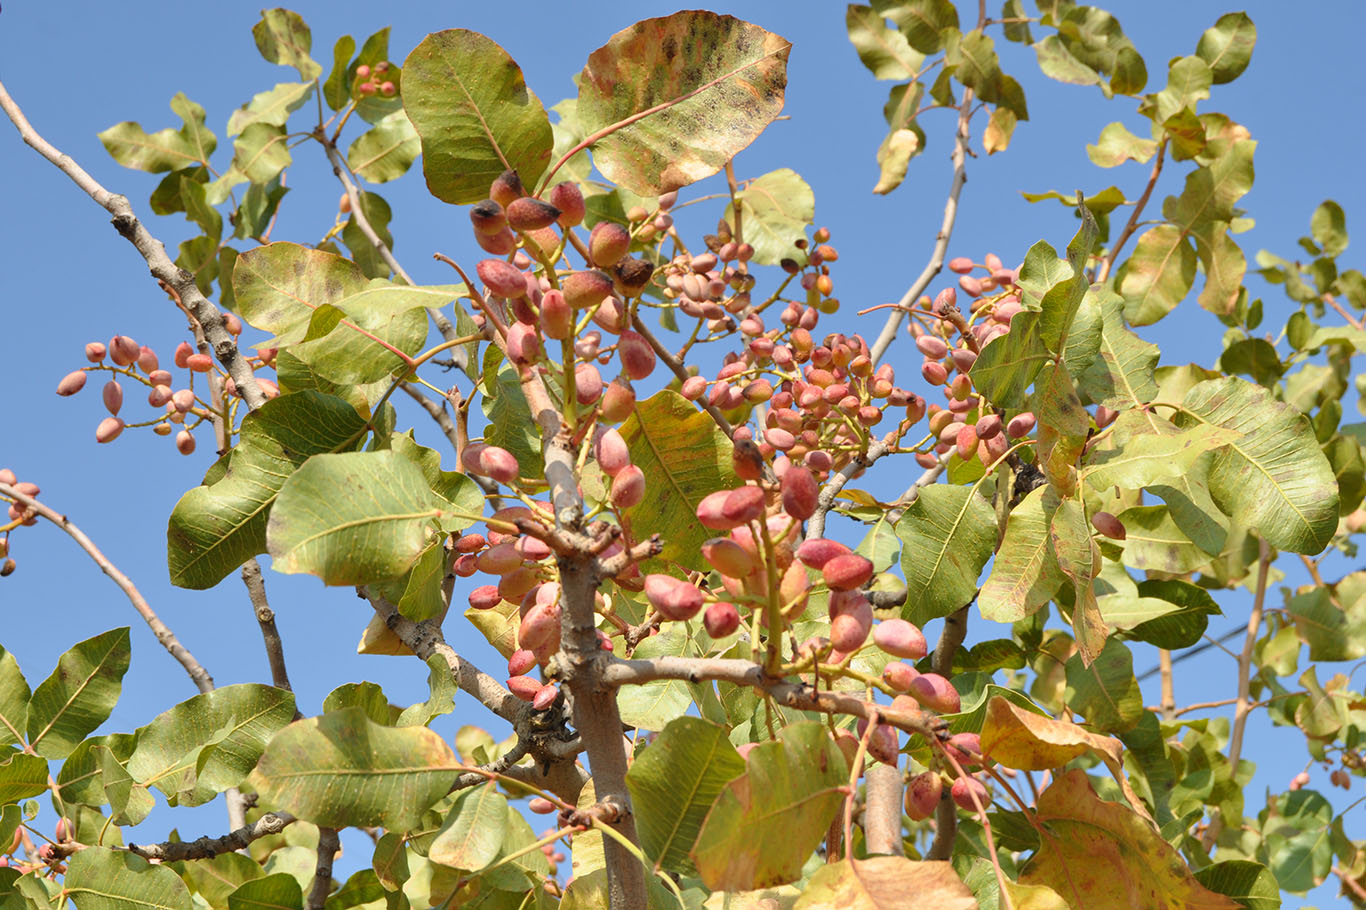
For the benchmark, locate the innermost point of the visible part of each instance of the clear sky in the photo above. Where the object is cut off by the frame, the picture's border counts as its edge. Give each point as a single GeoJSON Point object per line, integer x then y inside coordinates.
{"type": "Point", "coordinates": [66, 278]}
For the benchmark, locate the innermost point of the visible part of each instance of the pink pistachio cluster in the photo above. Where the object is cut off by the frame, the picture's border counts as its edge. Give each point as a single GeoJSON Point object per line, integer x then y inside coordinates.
{"type": "Point", "coordinates": [377, 79]}
{"type": "Point", "coordinates": [123, 358]}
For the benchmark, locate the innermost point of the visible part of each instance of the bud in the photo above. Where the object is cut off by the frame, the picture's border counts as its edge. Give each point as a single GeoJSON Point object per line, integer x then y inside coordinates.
{"type": "Point", "coordinates": [608, 242]}
{"type": "Point", "coordinates": [729, 558]}
{"type": "Point", "coordinates": [524, 687]}
{"type": "Point", "coordinates": [618, 401]}
{"type": "Point", "coordinates": [936, 693]}
{"type": "Point", "coordinates": [108, 429]}
{"type": "Point", "coordinates": [628, 487]}
{"type": "Point", "coordinates": [488, 218]}
{"type": "Point", "coordinates": [900, 638]}
{"type": "Point", "coordinates": [199, 363]}
{"type": "Point", "coordinates": [1020, 425]}
{"type": "Point", "coordinates": [846, 572]}
{"type": "Point", "coordinates": [112, 393]}
{"type": "Point", "coordinates": [960, 264]}
{"type": "Point", "coordinates": [95, 351]}
{"type": "Point", "coordinates": [506, 187]}
{"type": "Point", "coordinates": [530, 214]}
{"type": "Point", "coordinates": [568, 198]}
{"type": "Point", "coordinates": [636, 355]}
{"type": "Point", "coordinates": [721, 619]}
{"type": "Point", "coordinates": [800, 493]}
{"type": "Point", "coordinates": [500, 464]}
{"type": "Point", "coordinates": [499, 244]}
{"type": "Point", "coordinates": [147, 359]}
{"type": "Point", "coordinates": [1109, 525]}
{"type": "Point", "coordinates": [123, 350]}
{"type": "Point", "coordinates": [182, 354]}
{"type": "Point", "coordinates": [485, 597]}
{"type": "Point", "coordinates": [899, 675]}
{"type": "Point", "coordinates": [923, 793]}
{"type": "Point", "coordinates": [612, 453]}
{"type": "Point", "coordinates": [743, 505]}
{"type": "Point", "coordinates": [71, 383]}
{"type": "Point", "coordinates": [556, 316]}
{"type": "Point", "coordinates": [817, 551]}
{"type": "Point", "coordinates": [963, 791]}
{"type": "Point", "coordinates": [184, 442]}
{"type": "Point", "coordinates": [503, 278]}
{"type": "Point", "coordinates": [673, 597]}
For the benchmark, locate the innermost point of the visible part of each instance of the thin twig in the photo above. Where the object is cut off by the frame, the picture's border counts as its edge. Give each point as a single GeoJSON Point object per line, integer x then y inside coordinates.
{"type": "Point", "coordinates": [152, 250]}
{"type": "Point", "coordinates": [1132, 224]}
{"type": "Point", "coordinates": [1333, 302]}
{"type": "Point", "coordinates": [265, 617]}
{"type": "Point", "coordinates": [941, 240]}
{"type": "Point", "coordinates": [1164, 662]}
{"type": "Point", "coordinates": [201, 678]}
{"type": "Point", "coordinates": [677, 367]}
{"type": "Point", "coordinates": [815, 525]}
{"type": "Point", "coordinates": [946, 813]}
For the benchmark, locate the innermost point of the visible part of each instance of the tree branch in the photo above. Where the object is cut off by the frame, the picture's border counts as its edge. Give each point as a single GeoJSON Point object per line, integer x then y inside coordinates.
{"type": "Point", "coordinates": [206, 847]}
{"type": "Point", "coordinates": [882, 810]}
{"type": "Point", "coordinates": [946, 813]}
{"type": "Point", "coordinates": [198, 675]}
{"type": "Point", "coordinates": [343, 173]}
{"type": "Point", "coordinates": [265, 617]}
{"type": "Point", "coordinates": [678, 369]}
{"type": "Point", "coordinates": [815, 525]}
{"type": "Point", "coordinates": [802, 697]}
{"type": "Point", "coordinates": [1132, 223]}
{"type": "Point", "coordinates": [328, 846]}
{"type": "Point", "coordinates": [152, 250]}
{"type": "Point", "coordinates": [941, 240]}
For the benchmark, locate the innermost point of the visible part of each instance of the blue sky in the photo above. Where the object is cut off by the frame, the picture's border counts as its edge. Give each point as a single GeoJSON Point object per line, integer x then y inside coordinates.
{"type": "Point", "coordinates": [66, 278]}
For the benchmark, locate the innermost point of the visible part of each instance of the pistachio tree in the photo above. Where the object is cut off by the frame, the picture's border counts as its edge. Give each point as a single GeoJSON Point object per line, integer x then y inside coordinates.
{"type": "Point", "coordinates": [662, 496]}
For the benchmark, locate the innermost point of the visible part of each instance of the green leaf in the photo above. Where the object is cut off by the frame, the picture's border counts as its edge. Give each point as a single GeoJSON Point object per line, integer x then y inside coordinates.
{"type": "Point", "coordinates": [1025, 574]}
{"type": "Point", "coordinates": [654, 705]}
{"type": "Point", "coordinates": [472, 835]}
{"type": "Point", "coordinates": [1144, 449]}
{"type": "Point", "coordinates": [21, 776]}
{"type": "Point", "coordinates": [14, 698]}
{"type": "Point", "coordinates": [469, 103]}
{"type": "Point", "coordinates": [351, 518]}
{"type": "Point", "coordinates": [98, 878]}
{"type": "Point", "coordinates": [455, 492]}
{"type": "Point", "coordinates": [1079, 560]}
{"type": "Point", "coordinates": [921, 21]}
{"type": "Point", "coordinates": [776, 209]}
{"type": "Point", "coordinates": [78, 696]}
{"type": "Point", "coordinates": [1059, 305]}
{"type": "Point", "coordinates": [948, 534]}
{"type": "Point", "coordinates": [717, 82]}
{"type": "Point", "coordinates": [1117, 145]}
{"type": "Point", "coordinates": [1249, 883]}
{"type": "Point", "coordinates": [259, 154]}
{"type": "Point", "coordinates": [164, 150]}
{"type": "Point", "coordinates": [673, 784]}
{"type": "Point", "coordinates": [259, 205]}
{"type": "Point", "coordinates": [209, 743]}
{"type": "Point", "coordinates": [1179, 629]}
{"type": "Point", "coordinates": [1227, 46]}
{"type": "Point", "coordinates": [1332, 632]}
{"type": "Point", "coordinates": [387, 151]}
{"type": "Point", "coordinates": [283, 37]}
{"type": "Point", "coordinates": [1105, 693]}
{"type": "Point", "coordinates": [685, 458]}
{"type": "Point", "coordinates": [341, 769]}
{"type": "Point", "coordinates": [1276, 478]}
{"type": "Point", "coordinates": [1329, 227]}
{"type": "Point", "coordinates": [390, 861]}
{"type": "Point", "coordinates": [1008, 364]}
{"type": "Point", "coordinates": [361, 248]}
{"type": "Point", "coordinates": [510, 422]}
{"type": "Point", "coordinates": [442, 700]}
{"type": "Point", "coordinates": [280, 891]}
{"type": "Point", "coordinates": [883, 50]}
{"type": "Point", "coordinates": [337, 88]}
{"type": "Point", "coordinates": [366, 696]}
{"type": "Point", "coordinates": [1211, 192]}
{"type": "Point", "coordinates": [766, 822]}
{"type": "Point", "coordinates": [1159, 273]}
{"type": "Point", "coordinates": [272, 107]}
{"type": "Point", "coordinates": [1121, 376]}
{"type": "Point", "coordinates": [215, 528]}
{"type": "Point", "coordinates": [129, 801]}
{"type": "Point", "coordinates": [1155, 542]}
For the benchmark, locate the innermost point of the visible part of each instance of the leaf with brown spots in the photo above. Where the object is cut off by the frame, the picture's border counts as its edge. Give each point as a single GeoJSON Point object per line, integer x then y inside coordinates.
{"type": "Point", "coordinates": [669, 101]}
{"type": "Point", "coordinates": [1103, 855]}
{"type": "Point", "coordinates": [766, 822]}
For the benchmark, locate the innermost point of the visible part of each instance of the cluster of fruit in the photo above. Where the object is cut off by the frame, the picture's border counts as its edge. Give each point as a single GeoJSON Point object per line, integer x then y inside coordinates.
{"type": "Point", "coordinates": [373, 80]}
{"type": "Point", "coordinates": [18, 515]}
{"type": "Point", "coordinates": [129, 360]}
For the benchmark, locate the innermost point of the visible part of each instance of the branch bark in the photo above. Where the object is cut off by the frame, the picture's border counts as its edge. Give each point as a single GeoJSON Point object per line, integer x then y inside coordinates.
{"type": "Point", "coordinates": [152, 251]}
{"type": "Point", "coordinates": [946, 813]}
{"type": "Point", "coordinates": [265, 617]}
{"type": "Point", "coordinates": [206, 847]}
{"type": "Point", "coordinates": [882, 810]}
{"type": "Point", "coordinates": [941, 240]}
{"type": "Point", "coordinates": [198, 675]}
{"type": "Point", "coordinates": [328, 845]}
